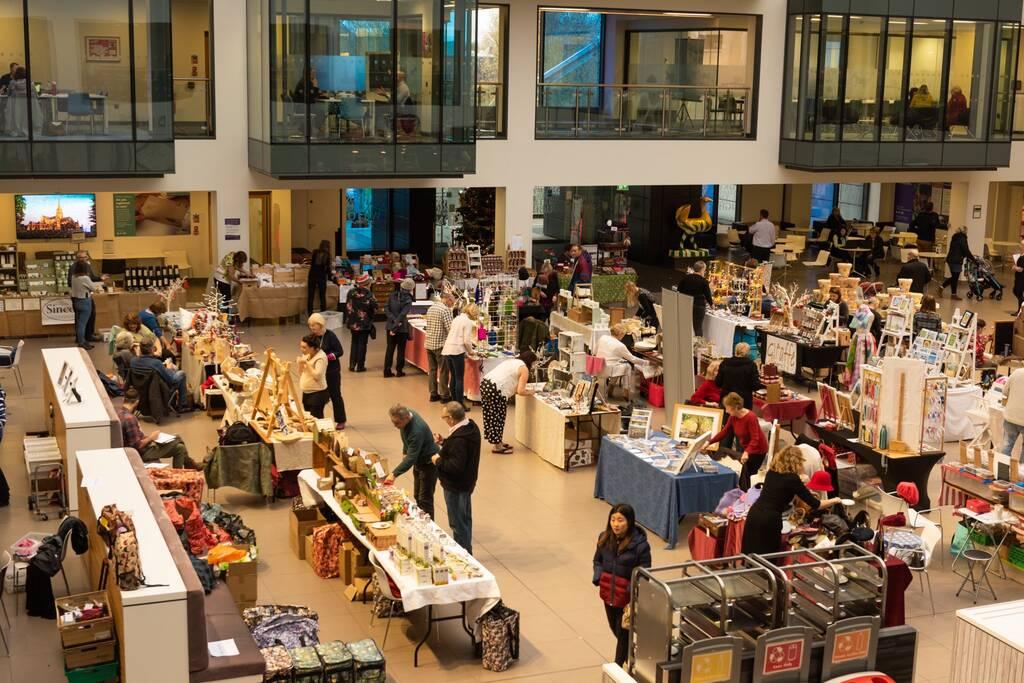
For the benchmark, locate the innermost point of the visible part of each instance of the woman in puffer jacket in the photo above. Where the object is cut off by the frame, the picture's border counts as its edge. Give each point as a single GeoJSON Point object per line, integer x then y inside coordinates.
{"type": "Point", "coordinates": [621, 548]}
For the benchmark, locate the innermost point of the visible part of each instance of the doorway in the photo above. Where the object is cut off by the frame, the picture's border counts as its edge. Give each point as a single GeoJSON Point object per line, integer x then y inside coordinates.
{"type": "Point", "coordinates": [259, 227]}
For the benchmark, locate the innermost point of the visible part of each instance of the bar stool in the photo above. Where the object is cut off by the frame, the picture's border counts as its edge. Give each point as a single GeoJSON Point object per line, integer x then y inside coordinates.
{"type": "Point", "coordinates": [974, 557]}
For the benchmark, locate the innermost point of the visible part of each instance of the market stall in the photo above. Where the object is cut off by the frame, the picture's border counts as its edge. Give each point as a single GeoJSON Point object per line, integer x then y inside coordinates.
{"type": "Point", "coordinates": [606, 287]}
{"type": "Point", "coordinates": [724, 330]}
{"type": "Point", "coordinates": [281, 300]}
{"type": "Point", "coordinates": [791, 353]}
{"type": "Point", "coordinates": [561, 433]}
{"type": "Point", "coordinates": [563, 323]}
{"type": "Point", "coordinates": [988, 644]}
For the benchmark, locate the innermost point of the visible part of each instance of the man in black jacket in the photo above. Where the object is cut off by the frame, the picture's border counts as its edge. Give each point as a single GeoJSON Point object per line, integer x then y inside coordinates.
{"type": "Point", "coordinates": [695, 284]}
{"type": "Point", "coordinates": [916, 270]}
{"type": "Point", "coordinates": [458, 464]}
{"type": "Point", "coordinates": [924, 226]}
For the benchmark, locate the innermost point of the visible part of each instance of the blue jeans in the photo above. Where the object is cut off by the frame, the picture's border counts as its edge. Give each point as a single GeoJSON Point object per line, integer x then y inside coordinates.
{"type": "Point", "coordinates": [182, 385]}
{"type": "Point", "coordinates": [1011, 431]}
{"type": "Point", "coordinates": [460, 517]}
{"type": "Point", "coordinates": [83, 309]}
{"type": "Point", "coordinates": [456, 370]}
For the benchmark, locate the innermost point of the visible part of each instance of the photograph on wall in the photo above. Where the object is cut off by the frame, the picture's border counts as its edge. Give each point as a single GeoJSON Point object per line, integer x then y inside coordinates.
{"type": "Point", "coordinates": [54, 216]}
{"type": "Point", "coordinates": [102, 49]}
{"type": "Point", "coordinates": [152, 214]}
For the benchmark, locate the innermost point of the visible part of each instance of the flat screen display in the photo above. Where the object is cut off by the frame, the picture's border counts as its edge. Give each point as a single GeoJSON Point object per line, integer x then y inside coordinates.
{"type": "Point", "coordinates": [340, 74]}
{"type": "Point", "coordinates": [54, 216]}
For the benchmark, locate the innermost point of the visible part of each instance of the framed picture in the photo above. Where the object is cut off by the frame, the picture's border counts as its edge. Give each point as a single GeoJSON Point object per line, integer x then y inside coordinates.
{"type": "Point", "coordinates": [967, 318]}
{"type": "Point", "coordinates": [696, 446]}
{"type": "Point", "coordinates": [102, 49]}
{"type": "Point", "coordinates": [689, 422]}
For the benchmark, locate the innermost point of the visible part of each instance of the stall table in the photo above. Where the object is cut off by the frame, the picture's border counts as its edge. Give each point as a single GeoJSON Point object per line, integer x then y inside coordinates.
{"type": "Point", "coordinates": [661, 499]}
{"type": "Point", "coordinates": [605, 288]}
{"type": "Point", "coordinates": [802, 354]}
{"type": "Point", "coordinates": [893, 468]}
{"type": "Point", "coordinates": [988, 644]}
{"type": "Point", "coordinates": [721, 330]}
{"type": "Point", "coordinates": [475, 368]}
{"type": "Point", "coordinates": [280, 301]}
{"type": "Point", "coordinates": [544, 429]}
{"type": "Point", "coordinates": [113, 307]}
{"type": "Point", "coordinates": [959, 402]}
{"type": "Point", "coordinates": [802, 409]}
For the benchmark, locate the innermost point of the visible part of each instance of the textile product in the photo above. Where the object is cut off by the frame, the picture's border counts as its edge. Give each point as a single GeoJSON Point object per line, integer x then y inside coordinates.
{"type": "Point", "coordinates": [899, 579]}
{"type": "Point", "coordinates": [326, 542]}
{"type": "Point", "coordinates": [244, 467]}
{"type": "Point", "coordinates": [254, 616]}
{"type": "Point", "coordinates": [605, 288]}
{"type": "Point", "coordinates": [660, 499]}
{"type": "Point", "coordinates": [500, 638]}
{"type": "Point", "coordinates": [785, 411]}
{"type": "Point", "coordinates": [369, 661]}
{"type": "Point", "coordinates": [289, 630]}
{"type": "Point", "coordinates": [278, 664]}
{"type": "Point", "coordinates": [189, 482]}
{"type": "Point", "coordinates": [533, 333]}
{"type": "Point", "coordinates": [495, 408]}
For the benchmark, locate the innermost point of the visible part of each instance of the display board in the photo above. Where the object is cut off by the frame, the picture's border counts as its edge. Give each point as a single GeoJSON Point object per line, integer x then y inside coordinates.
{"type": "Point", "coordinates": [677, 341]}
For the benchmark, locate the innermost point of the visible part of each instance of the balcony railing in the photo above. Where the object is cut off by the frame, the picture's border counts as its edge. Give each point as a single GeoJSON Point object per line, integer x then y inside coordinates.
{"type": "Point", "coordinates": [490, 109]}
{"type": "Point", "coordinates": [193, 108]}
{"type": "Point", "coordinates": [595, 110]}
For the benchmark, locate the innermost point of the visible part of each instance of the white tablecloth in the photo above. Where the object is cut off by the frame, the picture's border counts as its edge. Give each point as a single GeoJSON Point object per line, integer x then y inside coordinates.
{"type": "Point", "coordinates": [479, 594]}
{"type": "Point", "coordinates": [959, 401]}
{"type": "Point", "coordinates": [721, 331]}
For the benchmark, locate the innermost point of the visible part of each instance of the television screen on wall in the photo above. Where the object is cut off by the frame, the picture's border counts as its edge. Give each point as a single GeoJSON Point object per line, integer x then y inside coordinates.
{"type": "Point", "coordinates": [54, 216]}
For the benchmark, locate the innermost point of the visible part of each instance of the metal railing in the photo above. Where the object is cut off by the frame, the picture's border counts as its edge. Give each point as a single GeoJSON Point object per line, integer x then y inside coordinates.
{"type": "Point", "coordinates": [193, 107]}
{"type": "Point", "coordinates": [490, 109]}
{"type": "Point", "coordinates": [598, 110]}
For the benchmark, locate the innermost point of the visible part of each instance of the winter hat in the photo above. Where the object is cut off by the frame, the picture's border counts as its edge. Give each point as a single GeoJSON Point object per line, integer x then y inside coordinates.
{"type": "Point", "coordinates": [435, 273]}
{"type": "Point", "coordinates": [363, 279]}
{"type": "Point", "coordinates": [907, 490]}
{"type": "Point", "coordinates": [408, 284]}
{"type": "Point", "coordinates": [820, 481]}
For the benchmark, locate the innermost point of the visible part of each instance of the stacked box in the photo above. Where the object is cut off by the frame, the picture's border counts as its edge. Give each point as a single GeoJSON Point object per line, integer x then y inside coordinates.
{"type": "Point", "coordinates": [369, 662]}
{"type": "Point", "coordinates": [337, 661]}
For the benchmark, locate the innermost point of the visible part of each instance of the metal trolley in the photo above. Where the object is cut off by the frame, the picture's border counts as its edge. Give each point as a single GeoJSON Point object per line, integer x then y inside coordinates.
{"type": "Point", "coordinates": [45, 468]}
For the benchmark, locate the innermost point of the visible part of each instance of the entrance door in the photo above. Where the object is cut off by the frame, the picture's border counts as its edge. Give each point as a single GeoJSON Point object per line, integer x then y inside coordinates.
{"type": "Point", "coordinates": [259, 227]}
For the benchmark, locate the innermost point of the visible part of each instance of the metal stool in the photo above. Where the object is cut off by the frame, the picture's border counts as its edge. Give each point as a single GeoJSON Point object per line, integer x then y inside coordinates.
{"type": "Point", "coordinates": [975, 557]}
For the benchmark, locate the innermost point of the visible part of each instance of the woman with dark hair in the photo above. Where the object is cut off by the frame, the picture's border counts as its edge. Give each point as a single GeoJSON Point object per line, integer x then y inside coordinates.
{"type": "Point", "coordinates": [319, 272]}
{"type": "Point", "coordinates": [313, 376]}
{"type": "Point", "coordinates": [82, 288]}
{"type": "Point", "coordinates": [509, 378]}
{"type": "Point", "coordinates": [621, 548]}
{"type": "Point", "coordinates": [959, 251]}
{"type": "Point", "coordinates": [927, 318]}
{"type": "Point", "coordinates": [226, 275]}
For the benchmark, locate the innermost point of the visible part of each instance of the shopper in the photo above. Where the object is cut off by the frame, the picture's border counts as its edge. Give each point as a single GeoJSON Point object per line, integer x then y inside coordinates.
{"type": "Point", "coordinates": [509, 378]}
{"type": "Point", "coordinates": [82, 256]}
{"type": "Point", "coordinates": [397, 325]}
{"type": "Point", "coordinates": [876, 321]}
{"type": "Point", "coordinates": [1018, 276]}
{"type": "Point", "coordinates": [312, 362]}
{"type": "Point", "coordinates": [927, 318]}
{"type": "Point", "coordinates": [618, 359]}
{"type": "Point", "coordinates": [739, 374]}
{"type": "Point", "coordinates": [925, 224]}
{"type": "Point", "coordinates": [695, 284]}
{"type": "Point", "coordinates": [227, 275]}
{"type": "Point", "coordinates": [982, 345]}
{"type": "Point", "coordinates": [549, 285]}
{"type": "Point", "coordinates": [621, 548]}
{"type": "Point", "coordinates": [708, 391]}
{"type": "Point", "coordinates": [582, 268]}
{"type": "Point", "coordinates": [149, 359]}
{"type": "Point", "coordinates": [418, 449]}
{"type": "Point", "coordinates": [744, 425]}
{"type": "Point", "coordinates": [835, 221]}
{"type": "Point", "coordinates": [125, 350]}
{"type": "Point", "coordinates": [319, 273]}
{"type": "Point", "coordinates": [331, 346]}
{"type": "Point", "coordinates": [360, 309]}
{"type": "Point", "coordinates": [762, 238]}
{"type": "Point", "coordinates": [458, 464]}
{"type": "Point", "coordinates": [642, 302]}
{"type": "Point", "coordinates": [82, 288]}
{"type": "Point", "coordinates": [439, 322]}
{"type": "Point", "coordinates": [958, 252]}
{"type": "Point", "coordinates": [763, 531]}
{"type": "Point", "coordinates": [835, 296]}
{"type": "Point", "coordinates": [1013, 410]}
{"type": "Point", "coordinates": [150, 317]}
{"type": "Point", "coordinates": [460, 343]}
{"type": "Point", "coordinates": [838, 246]}
{"type": "Point", "coordinates": [155, 445]}
{"type": "Point", "coordinates": [875, 253]}
{"type": "Point", "coordinates": [916, 270]}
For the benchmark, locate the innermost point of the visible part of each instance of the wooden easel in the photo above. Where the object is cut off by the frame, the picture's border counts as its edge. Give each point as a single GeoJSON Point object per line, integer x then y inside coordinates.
{"type": "Point", "coordinates": [283, 396]}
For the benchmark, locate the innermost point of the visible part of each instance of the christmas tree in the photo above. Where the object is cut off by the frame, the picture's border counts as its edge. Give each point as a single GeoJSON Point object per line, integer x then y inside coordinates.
{"type": "Point", "coordinates": [477, 212]}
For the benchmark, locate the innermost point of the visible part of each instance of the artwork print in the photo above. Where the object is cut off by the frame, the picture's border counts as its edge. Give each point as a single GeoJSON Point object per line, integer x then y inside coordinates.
{"type": "Point", "coordinates": [689, 422]}
{"type": "Point", "coordinates": [102, 49]}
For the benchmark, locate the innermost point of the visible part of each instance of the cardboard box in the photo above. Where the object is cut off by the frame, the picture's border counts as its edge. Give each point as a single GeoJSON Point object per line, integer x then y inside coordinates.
{"type": "Point", "coordinates": [382, 539]}
{"type": "Point", "coordinates": [580, 315]}
{"type": "Point", "coordinates": [90, 655]}
{"type": "Point", "coordinates": [86, 632]}
{"type": "Point", "coordinates": [308, 553]}
{"type": "Point", "coordinates": [346, 562]}
{"type": "Point", "coordinates": [355, 590]}
{"type": "Point", "coordinates": [302, 523]}
{"type": "Point", "coordinates": [616, 314]}
{"type": "Point", "coordinates": [241, 580]}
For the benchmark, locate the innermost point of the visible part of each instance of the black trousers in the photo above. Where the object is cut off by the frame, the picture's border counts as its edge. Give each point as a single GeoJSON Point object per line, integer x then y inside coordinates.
{"type": "Point", "coordinates": [698, 320]}
{"type": "Point", "coordinates": [424, 484]}
{"type": "Point", "coordinates": [316, 287]}
{"type": "Point", "coordinates": [953, 280]}
{"type": "Point", "coordinates": [614, 615]}
{"type": "Point", "coordinates": [334, 391]}
{"type": "Point", "coordinates": [396, 342]}
{"type": "Point", "coordinates": [313, 402]}
{"type": "Point", "coordinates": [357, 357]}
{"type": "Point", "coordinates": [750, 467]}
{"type": "Point", "coordinates": [760, 253]}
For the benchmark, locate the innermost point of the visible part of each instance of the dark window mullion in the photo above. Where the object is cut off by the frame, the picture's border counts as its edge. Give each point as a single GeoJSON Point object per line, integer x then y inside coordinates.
{"type": "Point", "coordinates": [30, 91]}
{"type": "Point", "coordinates": [844, 47]}
{"type": "Point", "coordinates": [131, 74]}
{"type": "Point", "coordinates": [883, 58]}
{"type": "Point", "coordinates": [947, 55]}
{"type": "Point", "coordinates": [908, 51]}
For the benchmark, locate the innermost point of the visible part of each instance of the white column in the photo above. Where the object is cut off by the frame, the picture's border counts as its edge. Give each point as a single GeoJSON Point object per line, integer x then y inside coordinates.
{"type": "Point", "coordinates": [519, 217]}
{"type": "Point", "coordinates": [968, 206]}
{"type": "Point", "coordinates": [874, 202]}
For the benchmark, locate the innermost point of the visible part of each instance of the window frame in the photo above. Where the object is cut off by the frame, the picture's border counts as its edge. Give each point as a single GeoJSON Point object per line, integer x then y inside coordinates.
{"type": "Point", "coordinates": [505, 10]}
{"type": "Point", "coordinates": [211, 82]}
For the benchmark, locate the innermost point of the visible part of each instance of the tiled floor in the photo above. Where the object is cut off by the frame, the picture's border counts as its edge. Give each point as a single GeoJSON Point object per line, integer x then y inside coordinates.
{"type": "Point", "coordinates": [534, 526]}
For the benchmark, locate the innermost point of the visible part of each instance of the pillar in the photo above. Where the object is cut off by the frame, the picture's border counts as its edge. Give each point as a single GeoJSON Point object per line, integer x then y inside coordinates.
{"type": "Point", "coordinates": [874, 202]}
{"type": "Point", "coordinates": [517, 230]}
{"type": "Point", "coordinates": [968, 205]}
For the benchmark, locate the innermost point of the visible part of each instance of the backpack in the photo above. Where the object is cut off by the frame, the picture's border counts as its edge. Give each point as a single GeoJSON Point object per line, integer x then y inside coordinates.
{"type": "Point", "coordinates": [118, 532]}
{"type": "Point", "coordinates": [500, 642]}
{"type": "Point", "coordinates": [238, 434]}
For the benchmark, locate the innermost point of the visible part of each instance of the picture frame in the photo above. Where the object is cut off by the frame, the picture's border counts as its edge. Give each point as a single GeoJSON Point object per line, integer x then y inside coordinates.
{"type": "Point", "coordinates": [967, 318]}
{"type": "Point", "coordinates": [640, 424]}
{"type": "Point", "coordinates": [695, 446]}
{"type": "Point", "coordinates": [102, 49]}
{"type": "Point", "coordinates": [690, 422]}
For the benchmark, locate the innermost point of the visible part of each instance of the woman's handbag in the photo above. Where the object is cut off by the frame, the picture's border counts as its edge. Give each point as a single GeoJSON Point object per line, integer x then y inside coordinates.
{"type": "Point", "coordinates": [627, 616]}
{"type": "Point", "coordinates": [614, 590]}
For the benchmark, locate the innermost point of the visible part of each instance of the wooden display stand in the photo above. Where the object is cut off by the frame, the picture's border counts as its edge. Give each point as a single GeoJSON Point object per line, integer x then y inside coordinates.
{"type": "Point", "coordinates": [903, 409]}
{"type": "Point", "coordinates": [281, 399]}
{"type": "Point", "coordinates": [737, 288]}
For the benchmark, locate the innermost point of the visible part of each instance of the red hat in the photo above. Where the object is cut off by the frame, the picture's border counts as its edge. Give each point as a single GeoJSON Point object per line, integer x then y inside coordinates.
{"type": "Point", "coordinates": [820, 481]}
{"type": "Point", "coordinates": [362, 279]}
{"type": "Point", "coordinates": [907, 490]}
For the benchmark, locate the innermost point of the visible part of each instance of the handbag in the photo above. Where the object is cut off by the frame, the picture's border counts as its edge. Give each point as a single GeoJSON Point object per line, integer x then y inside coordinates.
{"type": "Point", "coordinates": [614, 590]}
{"type": "Point", "coordinates": [627, 616]}
{"type": "Point", "coordinates": [595, 365]}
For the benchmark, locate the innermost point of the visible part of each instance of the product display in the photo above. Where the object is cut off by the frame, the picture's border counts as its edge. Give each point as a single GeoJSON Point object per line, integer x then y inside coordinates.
{"type": "Point", "coordinates": [737, 288]}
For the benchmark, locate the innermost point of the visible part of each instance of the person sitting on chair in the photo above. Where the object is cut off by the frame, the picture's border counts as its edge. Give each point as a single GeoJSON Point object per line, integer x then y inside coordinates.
{"type": "Point", "coordinates": [149, 359]}
{"type": "Point", "coordinates": [124, 352]}
{"type": "Point", "coordinates": [150, 446]}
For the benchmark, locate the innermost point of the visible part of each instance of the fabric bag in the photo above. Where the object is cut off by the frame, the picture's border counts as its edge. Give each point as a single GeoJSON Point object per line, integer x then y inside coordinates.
{"type": "Point", "coordinates": [595, 365]}
{"type": "Point", "coordinates": [614, 590]}
{"type": "Point", "coordinates": [500, 637]}
{"type": "Point", "coordinates": [238, 434]}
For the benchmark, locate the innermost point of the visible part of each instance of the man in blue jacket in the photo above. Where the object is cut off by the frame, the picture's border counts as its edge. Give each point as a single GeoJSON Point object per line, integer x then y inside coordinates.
{"type": "Point", "coordinates": [418, 447]}
{"type": "Point", "coordinates": [175, 378]}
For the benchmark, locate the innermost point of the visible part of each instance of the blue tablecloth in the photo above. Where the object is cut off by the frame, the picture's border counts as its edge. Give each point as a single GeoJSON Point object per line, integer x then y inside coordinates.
{"type": "Point", "coordinates": [660, 499]}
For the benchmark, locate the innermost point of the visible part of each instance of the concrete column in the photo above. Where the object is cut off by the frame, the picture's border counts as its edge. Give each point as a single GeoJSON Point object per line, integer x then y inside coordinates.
{"type": "Point", "coordinates": [500, 222]}
{"type": "Point", "coordinates": [874, 202]}
{"type": "Point", "coordinates": [518, 218]}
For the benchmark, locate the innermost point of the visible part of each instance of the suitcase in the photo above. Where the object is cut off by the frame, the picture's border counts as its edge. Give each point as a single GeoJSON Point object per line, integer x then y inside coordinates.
{"type": "Point", "coordinates": [339, 666]}
{"type": "Point", "coordinates": [306, 665]}
{"type": "Point", "coordinates": [369, 662]}
{"type": "Point", "coordinates": [278, 665]}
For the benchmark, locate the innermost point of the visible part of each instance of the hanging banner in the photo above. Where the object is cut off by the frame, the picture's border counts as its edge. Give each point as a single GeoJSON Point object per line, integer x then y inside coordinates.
{"type": "Point", "coordinates": [57, 311]}
{"type": "Point", "coordinates": [124, 215]}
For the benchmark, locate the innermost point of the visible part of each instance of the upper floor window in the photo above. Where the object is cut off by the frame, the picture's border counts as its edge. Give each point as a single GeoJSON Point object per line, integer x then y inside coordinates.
{"type": "Point", "coordinates": [491, 70]}
{"type": "Point", "coordinates": [643, 74]}
{"type": "Point", "coordinates": [192, 28]}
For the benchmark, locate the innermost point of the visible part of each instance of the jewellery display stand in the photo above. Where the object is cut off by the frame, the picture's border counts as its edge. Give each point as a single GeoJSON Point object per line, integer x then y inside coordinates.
{"type": "Point", "coordinates": [899, 324]}
{"type": "Point", "coordinates": [870, 397]}
{"type": "Point", "coordinates": [737, 288]}
{"type": "Point", "coordinates": [902, 407]}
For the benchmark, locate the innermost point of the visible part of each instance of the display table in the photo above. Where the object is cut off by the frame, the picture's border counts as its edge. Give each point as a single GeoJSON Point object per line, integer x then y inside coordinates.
{"type": "Point", "coordinates": [720, 330]}
{"type": "Point", "coordinates": [988, 644]}
{"type": "Point", "coordinates": [893, 468]}
{"type": "Point", "coordinates": [545, 430]}
{"type": "Point", "coordinates": [605, 289]}
{"type": "Point", "coordinates": [475, 369]}
{"type": "Point", "coordinates": [659, 498]}
{"type": "Point", "coordinates": [802, 409]}
{"type": "Point", "coordinates": [959, 402]}
{"type": "Point", "coordinates": [562, 323]}
{"type": "Point", "coordinates": [798, 353]}
{"type": "Point", "coordinates": [281, 301]}
{"type": "Point", "coordinates": [107, 477]}
{"type": "Point", "coordinates": [112, 308]}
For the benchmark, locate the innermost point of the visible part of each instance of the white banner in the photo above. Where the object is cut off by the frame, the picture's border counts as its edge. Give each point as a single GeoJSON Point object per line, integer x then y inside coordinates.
{"type": "Point", "coordinates": [57, 311]}
{"type": "Point", "coordinates": [781, 353]}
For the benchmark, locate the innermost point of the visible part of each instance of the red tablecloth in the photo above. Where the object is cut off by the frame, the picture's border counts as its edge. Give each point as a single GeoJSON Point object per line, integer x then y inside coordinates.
{"type": "Point", "coordinates": [899, 579]}
{"type": "Point", "coordinates": [786, 411]}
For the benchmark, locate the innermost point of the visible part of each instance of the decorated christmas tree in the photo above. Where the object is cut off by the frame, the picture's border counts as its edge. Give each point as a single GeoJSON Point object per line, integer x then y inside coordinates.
{"type": "Point", "coordinates": [477, 212]}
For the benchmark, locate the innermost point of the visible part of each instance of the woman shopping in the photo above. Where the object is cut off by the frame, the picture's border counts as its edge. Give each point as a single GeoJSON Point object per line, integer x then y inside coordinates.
{"type": "Point", "coordinates": [744, 425]}
{"type": "Point", "coordinates": [763, 530]}
{"type": "Point", "coordinates": [958, 252]}
{"type": "Point", "coordinates": [739, 374]}
{"type": "Point", "coordinates": [621, 548]}
{"type": "Point", "coordinates": [313, 376]}
{"type": "Point", "coordinates": [509, 378]}
{"type": "Point", "coordinates": [461, 342]}
{"type": "Point", "coordinates": [708, 391]}
{"type": "Point", "coordinates": [331, 346]}
{"type": "Point", "coordinates": [227, 275]}
{"type": "Point", "coordinates": [360, 308]}
{"type": "Point", "coordinates": [397, 326]}
{"type": "Point", "coordinates": [319, 273]}
{"type": "Point", "coordinates": [82, 288]}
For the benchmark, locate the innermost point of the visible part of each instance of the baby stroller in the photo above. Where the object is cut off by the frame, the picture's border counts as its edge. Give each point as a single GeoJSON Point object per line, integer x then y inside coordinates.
{"type": "Point", "coordinates": [980, 278]}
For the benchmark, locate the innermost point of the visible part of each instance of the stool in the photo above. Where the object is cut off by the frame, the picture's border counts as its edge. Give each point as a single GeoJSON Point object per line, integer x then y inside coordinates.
{"type": "Point", "coordinates": [975, 557]}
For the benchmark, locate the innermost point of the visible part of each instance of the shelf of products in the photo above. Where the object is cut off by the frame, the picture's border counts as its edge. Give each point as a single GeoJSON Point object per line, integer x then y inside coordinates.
{"type": "Point", "coordinates": [138, 279]}
{"type": "Point", "coordinates": [871, 395]}
{"type": "Point", "coordinates": [737, 288]}
{"type": "Point", "coordinates": [62, 263]}
{"type": "Point", "coordinates": [8, 267]}
{"type": "Point", "coordinates": [934, 419]}
{"type": "Point", "coordinates": [456, 263]}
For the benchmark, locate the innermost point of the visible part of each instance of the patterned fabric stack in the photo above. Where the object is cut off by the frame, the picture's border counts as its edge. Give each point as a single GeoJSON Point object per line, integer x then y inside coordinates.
{"type": "Point", "coordinates": [279, 665]}
{"type": "Point", "coordinates": [369, 662]}
{"type": "Point", "coordinates": [189, 482]}
{"type": "Point", "coordinates": [326, 544]}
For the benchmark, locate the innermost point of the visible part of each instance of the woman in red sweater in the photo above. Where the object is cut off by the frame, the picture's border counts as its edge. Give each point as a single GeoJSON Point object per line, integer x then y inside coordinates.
{"type": "Point", "coordinates": [744, 425]}
{"type": "Point", "coordinates": [708, 391]}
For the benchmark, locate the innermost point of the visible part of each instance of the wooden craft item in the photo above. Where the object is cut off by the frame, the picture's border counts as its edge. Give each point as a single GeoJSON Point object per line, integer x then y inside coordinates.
{"type": "Point", "coordinates": [275, 384]}
{"type": "Point", "coordinates": [1014, 473]}
{"type": "Point", "coordinates": [963, 453]}
{"type": "Point", "coordinates": [897, 445]}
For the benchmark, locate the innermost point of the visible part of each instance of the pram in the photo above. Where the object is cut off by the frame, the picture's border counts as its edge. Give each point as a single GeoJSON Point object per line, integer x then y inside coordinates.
{"type": "Point", "coordinates": [980, 278]}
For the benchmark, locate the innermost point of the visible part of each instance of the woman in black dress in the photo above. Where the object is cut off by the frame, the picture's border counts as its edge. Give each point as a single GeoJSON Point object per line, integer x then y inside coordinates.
{"type": "Point", "coordinates": [1018, 277]}
{"type": "Point", "coordinates": [331, 346]}
{"type": "Point", "coordinates": [763, 530]}
{"type": "Point", "coordinates": [739, 374]}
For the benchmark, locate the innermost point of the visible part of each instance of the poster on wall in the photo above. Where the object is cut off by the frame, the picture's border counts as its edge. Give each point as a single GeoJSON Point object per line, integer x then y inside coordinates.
{"type": "Point", "coordinates": [911, 198]}
{"type": "Point", "coordinates": [56, 311]}
{"type": "Point", "coordinates": [152, 214]}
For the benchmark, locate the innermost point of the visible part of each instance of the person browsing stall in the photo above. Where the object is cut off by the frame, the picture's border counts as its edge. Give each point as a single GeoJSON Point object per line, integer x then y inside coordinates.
{"type": "Point", "coordinates": [439, 322]}
{"type": "Point", "coordinates": [695, 284]}
{"type": "Point", "coordinates": [621, 548]}
{"type": "Point", "coordinates": [509, 378]}
{"type": "Point", "coordinates": [763, 530]}
{"type": "Point", "coordinates": [312, 364]}
{"type": "Point", "coordinates": [959, 251]}
{"type": "Point", "coordinates": [229, 272]}
{"type": "Point", "coordinates": [149, 359]}
{"type": "Point", "coordinates": [915, 270]}
{"type": "Point", "coordinates": [643, 301]}
{"type": "Point", "coordinates": [458, 465]}
{"type": "Point", "coordinates": [418, 449]}
{"type": "Point", "coordinates": [82, 289]}
{"type": "Point", "coordinates": [739, 375]}
{"type": "Point", "coordinates": [708, 391]}
{"type": "Point", "coordinates": [396, 312]}
{"type": "Point", "coordinates": [460, 343]}
{"type": "Point", "coordinates": [360, 309]}
{"type": "Point", "coordinates": [82, 256]}
{"type": "Point", "coordinates": [148, 445]}
{"type": "Point", "coordinates": [927, 318]}
{"type": "Point", "coordinates": [582, 268]}
{"type": "Point", "coordinates": [331, 346]}
{"type": "Point", "coordinates": [744, 425]}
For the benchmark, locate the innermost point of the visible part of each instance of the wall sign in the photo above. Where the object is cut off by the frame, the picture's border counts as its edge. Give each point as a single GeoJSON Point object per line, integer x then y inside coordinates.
{"type": "Point", "coordinates": [124, 215]}
{"type": "Point", "coordinates": [233, 229]}
{"type": "Point", "coordinates": [782, 353]}
{"type": "Point", "coordinates": [57, 311]}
